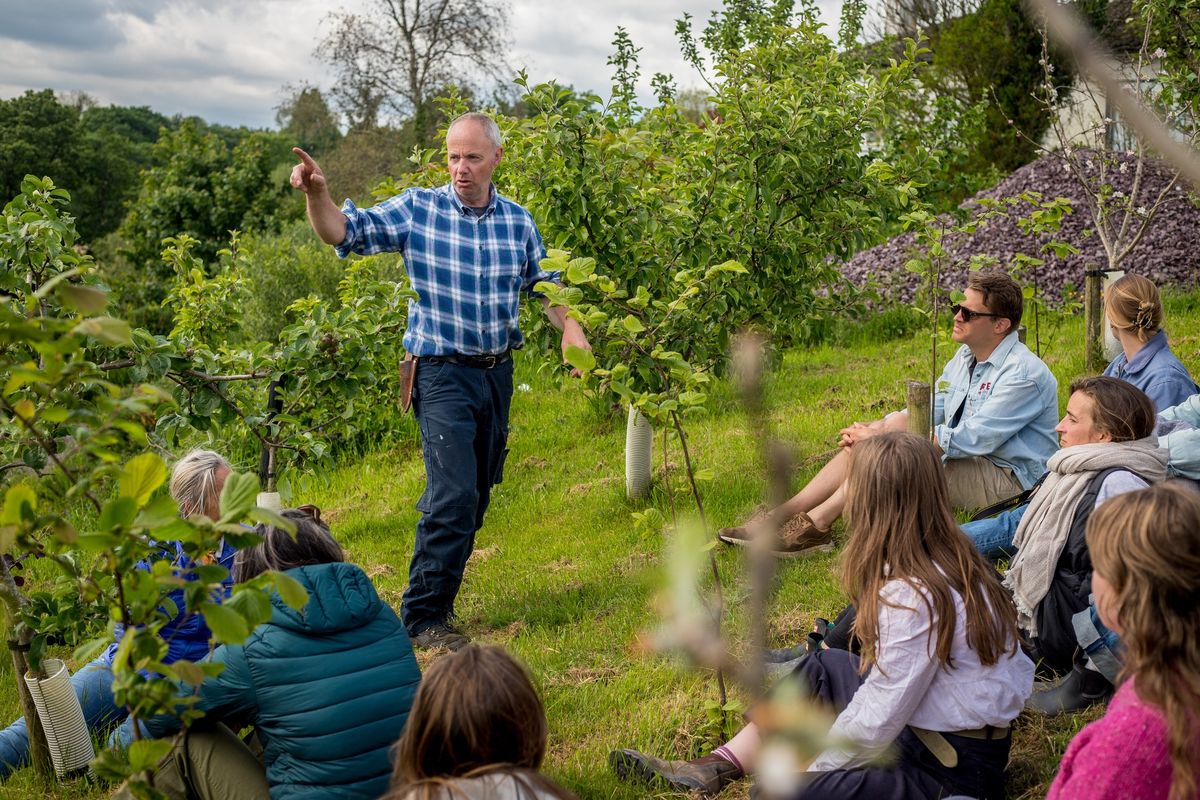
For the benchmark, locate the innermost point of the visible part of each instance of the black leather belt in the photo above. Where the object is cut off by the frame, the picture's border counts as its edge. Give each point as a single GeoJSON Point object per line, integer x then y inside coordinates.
{"type": "Point", "coordinates": [478, 362]}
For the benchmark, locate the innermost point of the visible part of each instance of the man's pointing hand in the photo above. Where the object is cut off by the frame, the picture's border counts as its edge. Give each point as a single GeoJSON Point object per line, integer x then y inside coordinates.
{"type": "Point", "coordinates": [307, 175]}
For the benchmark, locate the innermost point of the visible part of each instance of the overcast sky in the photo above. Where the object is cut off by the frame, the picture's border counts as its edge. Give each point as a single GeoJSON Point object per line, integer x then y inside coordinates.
{"type": "Point", "coordinates": [226, 60]}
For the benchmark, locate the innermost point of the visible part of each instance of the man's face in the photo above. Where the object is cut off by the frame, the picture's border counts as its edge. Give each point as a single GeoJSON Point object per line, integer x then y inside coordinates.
{"type": "Point", "coordinates": [472, 159]}
{"type": "Point", "coordinates": [980, 332]}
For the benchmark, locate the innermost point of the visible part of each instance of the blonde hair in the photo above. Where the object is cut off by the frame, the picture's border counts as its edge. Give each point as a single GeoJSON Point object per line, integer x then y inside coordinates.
{"type": "Point", "coordinates": [194, 482]}
{"type": "Point", "coordinates": [1146, 544]}
{"type": "Point", "coordinates": [1133, 305]}
{"type": "Point", "coordinates": [901, 528]}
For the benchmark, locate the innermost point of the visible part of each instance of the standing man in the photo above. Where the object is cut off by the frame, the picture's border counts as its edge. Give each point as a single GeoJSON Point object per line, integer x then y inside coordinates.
{"type": "Point", "coordinates": [469, 253]}
{"type": "Point", "coordinates": [995, 412]}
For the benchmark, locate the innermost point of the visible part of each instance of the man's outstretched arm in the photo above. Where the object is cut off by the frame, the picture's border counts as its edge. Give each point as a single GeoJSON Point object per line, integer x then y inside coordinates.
{"type": "Point", "coordinates": [572, 332]}
{"type": "Point", "coordinates": [323, 214]}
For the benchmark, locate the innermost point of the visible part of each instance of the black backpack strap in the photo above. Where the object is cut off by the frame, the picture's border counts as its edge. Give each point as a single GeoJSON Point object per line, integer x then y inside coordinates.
{"type": "Point", "coordinates": [1009, 503]}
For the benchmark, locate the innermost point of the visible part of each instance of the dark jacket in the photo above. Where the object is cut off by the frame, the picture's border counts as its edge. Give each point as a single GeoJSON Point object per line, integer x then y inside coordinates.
{"type": "Point", "coordinates": [328, 689]}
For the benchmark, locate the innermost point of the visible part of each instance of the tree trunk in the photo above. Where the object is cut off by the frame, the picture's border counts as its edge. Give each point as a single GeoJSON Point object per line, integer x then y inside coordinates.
{"type": "Point", "coordinates": [18, 645]}
{"type": "Point", "coordinates": [919, 408]}
{"type": "Point", "coordinates": [1093, 315]}
{"type": "Point", "coordinates": [39, 753]}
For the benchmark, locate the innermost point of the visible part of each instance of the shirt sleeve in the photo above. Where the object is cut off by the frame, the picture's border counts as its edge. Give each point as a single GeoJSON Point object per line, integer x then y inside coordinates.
{"type": "Point", "coordinates": [1118, 483]}
{"type": "Point", "coordinates": [382, 228]}
{"type": "Point", "coordinates": [896, 685]}
{"type": "Point", "coordinates": [1183, 447]}
{"type": "Point", "coordinates": [1188, 411]}
{"type": "Point", "coordinates": [1013, 404]}
{"type": "Point", "coordinates": [533, 273]}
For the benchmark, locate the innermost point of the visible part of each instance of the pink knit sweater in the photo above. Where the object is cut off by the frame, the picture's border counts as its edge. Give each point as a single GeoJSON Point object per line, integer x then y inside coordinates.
{"type": "Point", "coordinates": [1121, 756]}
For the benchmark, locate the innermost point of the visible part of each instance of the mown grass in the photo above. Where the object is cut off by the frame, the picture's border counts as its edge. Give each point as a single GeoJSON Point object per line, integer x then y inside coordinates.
{"type": "Point", "coordinates": [561, 577]}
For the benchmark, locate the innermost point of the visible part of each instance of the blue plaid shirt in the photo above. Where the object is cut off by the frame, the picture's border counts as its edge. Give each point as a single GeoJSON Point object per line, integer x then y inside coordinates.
{"type": "Point", "coordinates": [468, 271]}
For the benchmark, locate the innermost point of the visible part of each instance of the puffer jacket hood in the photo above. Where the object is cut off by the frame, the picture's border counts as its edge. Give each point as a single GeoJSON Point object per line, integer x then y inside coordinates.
{"type": "Point", "coordinates": [340, 598]}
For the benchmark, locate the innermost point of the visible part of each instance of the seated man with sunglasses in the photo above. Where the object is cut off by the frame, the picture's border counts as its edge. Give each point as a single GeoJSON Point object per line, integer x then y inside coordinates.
{"type": "Point", "coordinates": [995, 408]}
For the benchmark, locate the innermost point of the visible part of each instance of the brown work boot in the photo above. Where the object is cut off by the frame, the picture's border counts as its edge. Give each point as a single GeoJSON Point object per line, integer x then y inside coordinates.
{"type": "Point", "coordinates": [798, 536]}
{"type": "Point", "coordinates": [707, 775]}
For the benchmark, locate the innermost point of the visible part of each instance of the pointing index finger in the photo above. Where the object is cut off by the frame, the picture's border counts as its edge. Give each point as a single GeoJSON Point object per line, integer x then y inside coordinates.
{"type": "Point", "coordinates": [304, 157]}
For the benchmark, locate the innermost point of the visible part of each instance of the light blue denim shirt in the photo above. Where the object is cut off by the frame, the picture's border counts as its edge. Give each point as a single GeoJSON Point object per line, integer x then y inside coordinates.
{"type": "Point", "coordinates": [1156, 371]}
{"type": "Point", "coordinates": [1011, 408]}
{"type": "Point", "coordinates": [1179, 432]}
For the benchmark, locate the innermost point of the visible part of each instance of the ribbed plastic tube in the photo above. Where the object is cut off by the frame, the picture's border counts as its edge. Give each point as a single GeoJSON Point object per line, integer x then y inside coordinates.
{"type": "Point", "coordinates": [58, 708]}
{"type": "Point", "coordinates": [639, 437]}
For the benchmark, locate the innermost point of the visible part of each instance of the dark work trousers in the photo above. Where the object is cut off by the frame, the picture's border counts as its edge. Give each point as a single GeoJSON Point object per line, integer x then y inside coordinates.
{"type": "Point", "coordinates": [463, 415]}
{"type": "Point", "coordinates": [832, 678]}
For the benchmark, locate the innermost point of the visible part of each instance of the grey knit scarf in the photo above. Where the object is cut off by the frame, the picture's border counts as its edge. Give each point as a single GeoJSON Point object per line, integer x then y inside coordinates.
{"type": "Point", "coordinates": [1043, 530]}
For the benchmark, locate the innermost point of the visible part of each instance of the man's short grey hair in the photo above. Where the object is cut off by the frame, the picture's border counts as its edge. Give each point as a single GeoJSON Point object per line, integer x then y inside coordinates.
{"type": "Point", "coordinates": [490, 128]}
{"type": "Point", "coordinates": [193, 481]}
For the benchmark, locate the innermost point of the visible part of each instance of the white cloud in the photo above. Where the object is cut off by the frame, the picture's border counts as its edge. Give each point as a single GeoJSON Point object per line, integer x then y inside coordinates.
{"type": "Point", "coordinates": [226, 61]}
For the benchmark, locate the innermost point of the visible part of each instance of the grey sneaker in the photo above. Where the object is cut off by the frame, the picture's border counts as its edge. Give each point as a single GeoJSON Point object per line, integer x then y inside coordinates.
{"type": "Point", "coordinates": [707, 775]}
{"type": "Point", "coordinates": [441, 635]}
{"type": "Point", "coordinates": [798, 536]}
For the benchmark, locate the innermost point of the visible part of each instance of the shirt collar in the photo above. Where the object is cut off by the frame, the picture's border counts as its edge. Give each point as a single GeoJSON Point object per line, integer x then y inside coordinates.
{"type": "Point", "coordinates": [1142, 358]}
{"type": "Point", "coordinates": [464, 209]}
{"type": "Point", "coordinates": [1002, 350]}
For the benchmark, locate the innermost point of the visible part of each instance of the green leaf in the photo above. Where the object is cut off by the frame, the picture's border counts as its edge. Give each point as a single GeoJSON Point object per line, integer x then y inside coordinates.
{"type": "Point", "coordinates": [705, 474]}
{"type": "Point", "coordinates": [581, 359]}
{"type": "Point", "coordinates": [187, 672]}
{"type": "Point", "coordinates": [238, 496]}
{"type": "Point", "coordinates": [161, 511]}
{"type": "Point", "coordinates": [290, 590]}
{"type": "Point", "coordinates": [142, 476]}
{"type": "Point", "coordinates": [117, 513]}
{"type": "Point", "coordinates": [20, 503]}
{"type": "Point", "coordinates": [89, 650]}
{"type": "Point", "coordinates": [268, 517]}
{"type": "Point", "coordinates": [633, 324]}
{"type": "Point", "coordinates": [252, 604]}
{"type": "Point", "coordinates": [227, 626]}
{"type": "Point", "coordinates": [84, 299]}
{"type": "Point", "coordinates": [145, 754]}
{"type": "Point", "coordinates": [107, 329]}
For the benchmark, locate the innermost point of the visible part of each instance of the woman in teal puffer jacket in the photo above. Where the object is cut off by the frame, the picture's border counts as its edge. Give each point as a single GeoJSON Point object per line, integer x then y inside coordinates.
{"type": "Point", "coordinates": [327, 689]}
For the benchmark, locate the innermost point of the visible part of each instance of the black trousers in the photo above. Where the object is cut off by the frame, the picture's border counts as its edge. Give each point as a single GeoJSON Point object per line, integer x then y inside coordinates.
{"type": "Point", "coordinates": [832, 677]}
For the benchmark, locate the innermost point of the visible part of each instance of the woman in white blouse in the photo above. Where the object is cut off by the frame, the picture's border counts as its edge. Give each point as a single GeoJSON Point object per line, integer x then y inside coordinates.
{"type": "Point", "coordinates": [941, 675]}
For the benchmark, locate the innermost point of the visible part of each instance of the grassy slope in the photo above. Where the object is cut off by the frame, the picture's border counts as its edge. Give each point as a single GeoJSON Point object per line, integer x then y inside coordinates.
{"type": "Point", "coordinates": [563, 580]}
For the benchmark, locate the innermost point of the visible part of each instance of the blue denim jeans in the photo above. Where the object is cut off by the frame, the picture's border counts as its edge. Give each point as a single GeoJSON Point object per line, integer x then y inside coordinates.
{"type": "Point", "coordinates": [463, 415]}
{"type": "Point", "coordinates": [93, 687]}
{"type": "Point", "coordinates": [1100, 644]}
{"type": "Point", "coordinates": [993, 537]}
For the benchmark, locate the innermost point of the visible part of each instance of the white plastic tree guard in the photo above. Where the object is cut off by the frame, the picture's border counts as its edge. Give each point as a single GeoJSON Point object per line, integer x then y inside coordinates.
{"type": "Point", "coordinates": [58, 708]}
{"type": "Point", "coordinates": [270, 501]}
{"type": "Point", "coordinates": [639, 439]}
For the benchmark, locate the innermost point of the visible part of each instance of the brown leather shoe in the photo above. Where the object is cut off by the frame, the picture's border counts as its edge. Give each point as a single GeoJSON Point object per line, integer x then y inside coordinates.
{"type": "Point", "coordinates": [707, 775]}
{"type": "Point", "coordinates": [798, 536]}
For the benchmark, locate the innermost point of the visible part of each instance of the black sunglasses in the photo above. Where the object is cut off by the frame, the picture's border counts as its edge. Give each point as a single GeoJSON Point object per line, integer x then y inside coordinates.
{"type": "Point", "coordinates": [968, 314]}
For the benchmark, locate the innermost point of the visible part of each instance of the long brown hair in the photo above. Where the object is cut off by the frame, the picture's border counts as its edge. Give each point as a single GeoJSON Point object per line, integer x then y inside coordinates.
{"type": "Point", "coordinates": [475, 713]}
{"type": "Point", "coordinates": [901, 528]}
{"type": "Point", "coordinates": [1146, 544]}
